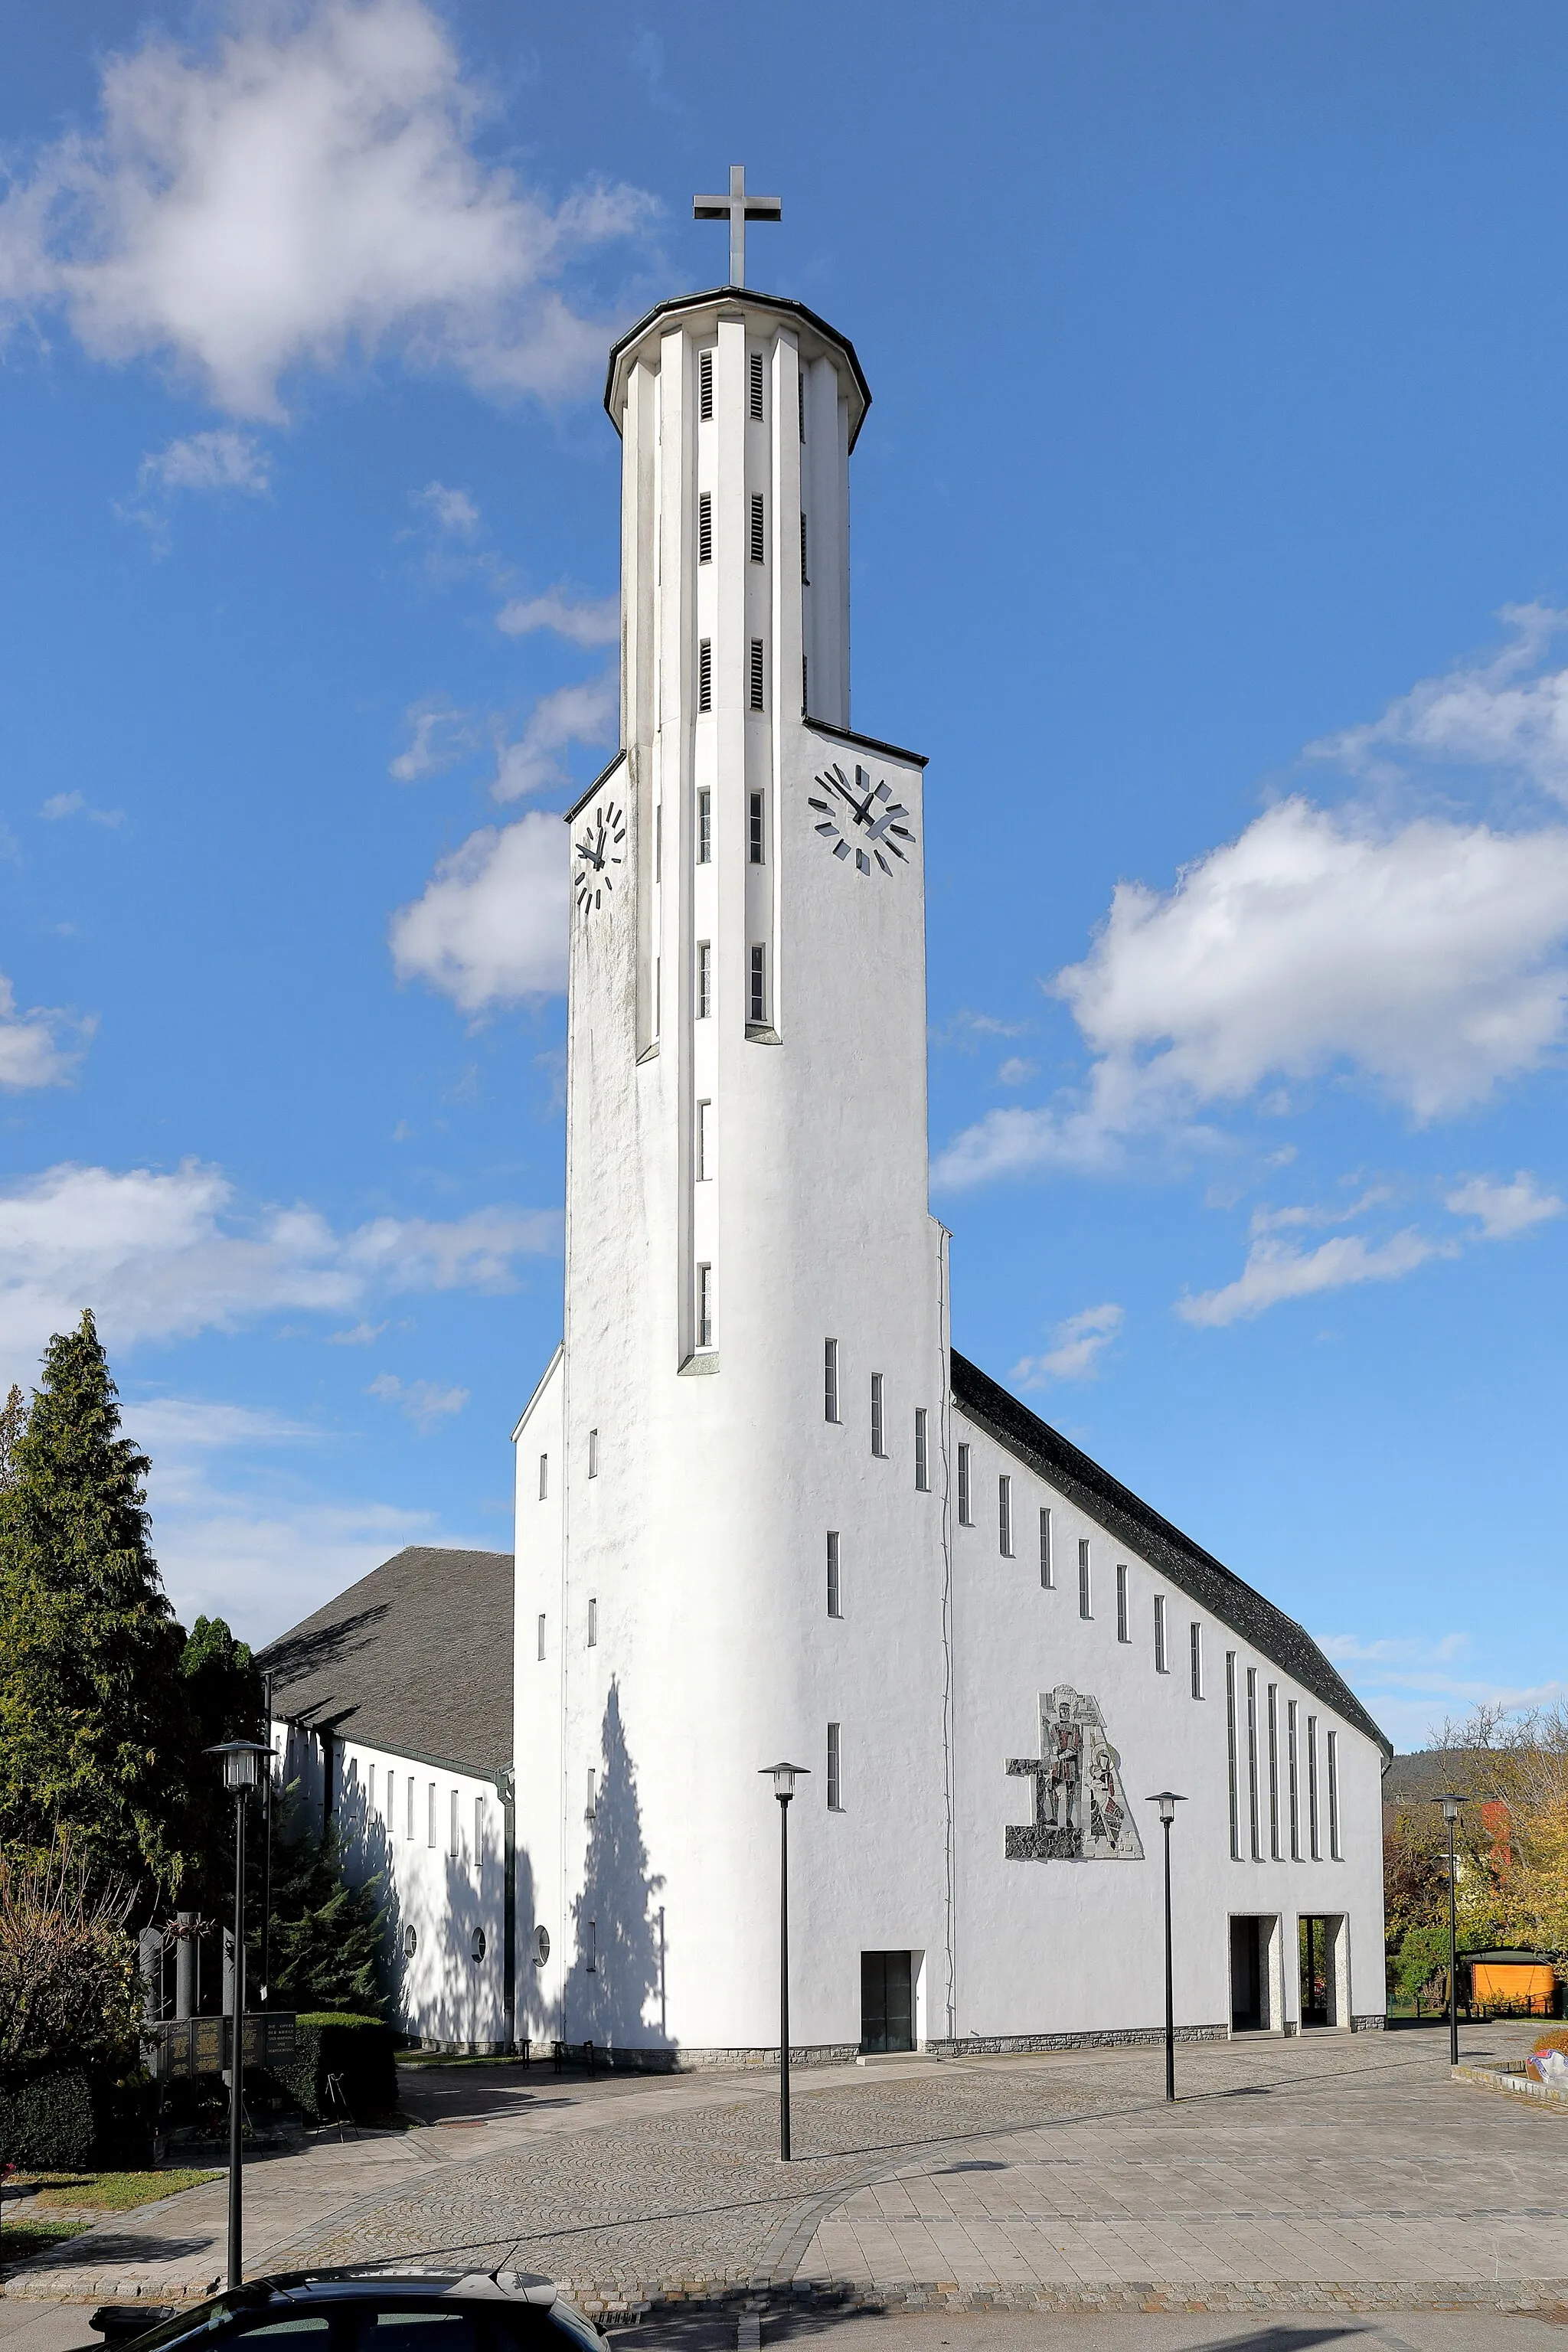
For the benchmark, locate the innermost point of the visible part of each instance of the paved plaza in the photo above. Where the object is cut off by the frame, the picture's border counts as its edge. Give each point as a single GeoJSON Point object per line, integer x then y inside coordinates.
{"type": "Point", "coordinates": [1326, 2174]}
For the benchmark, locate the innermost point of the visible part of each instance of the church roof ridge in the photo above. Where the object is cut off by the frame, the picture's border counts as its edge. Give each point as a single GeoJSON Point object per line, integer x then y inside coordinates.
{"type": "Point", "coordinates": [739, 294]}
{"type": "Point", "coordinates": [1204, 1579]}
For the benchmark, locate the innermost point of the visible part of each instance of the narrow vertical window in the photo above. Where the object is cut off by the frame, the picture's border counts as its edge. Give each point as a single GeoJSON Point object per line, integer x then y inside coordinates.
{"type": "Point", "coordinates": [1085, 1588]}
{"type": "Point", "coordinates": [834, 1589]}
{"type": "Point", "coordinates": [757, 997]}
{"type": "Point", "coordinates": [1005, 1515]}
{"type": "Point", "coordinates": [754, 829]}
{"type": "Point", "coordinates": [804, 684]}
{"type": "Point", "coordinates": [922, 1460]}
{"type": "Point", "coordinates": [590, 1949]}
{"type": "Point", "coordinates": [1272, 1718]}
{"type": "Point", "coordinates": [1048, 1556]}
{"type": "Point", "coordinates": [1334, 1853]}
{"type": "Point", "coordinates": [1161, 1659]}
{"type": "Point", "coordinates": [479, 1839]}
{"type": "Point", "coordinates": [593, 1806]}
{"type": "Point", "coordinates": [800, 403]}
{"type": "Point", "coordinates": [1256, 1837]}
{"type": "Point", "coordinates": [452, 1848]}
{"type": "Point", "coordinates": [1123, 1632]}
{"type": "Point", "coordinates": [705, 673]}
{"type": "Point", "coordinates": [705, 387]}
{"type": "Point", "coordinates": [409, 1811]}
{"type": "Point", "coordinates": [705, 827]}
{"type": "Point", "coordinates": [835, 1771]}
{"type": "Point", "coordinates": [756, 674]}
{"type": "Point", "coordinates": [1230, 1753]}
{"type": "Point", "coordinates": [593, 1622]}
{"type": "Point", "coordinates": [704, 527]}
{"type": "Point", "coordinates": [878, 1444]}
{"type": "Point", "coordinates": [757, 546]}
{"type": "Point", "coordinates": [593, 1454]}
{"type": "Point", "coordinates": [830, 1380]}
{"type": "Point", "coordinates": [756, 385]}
{"type": "Point", "coordinates": [805, 574]}
{"type": "Point", "coordinates": [705, 1307]}
{"type": "Point", "coordinates": [658, 992]}
{"type": "Point", "coordinates": [658, 840]}
{"type": "Point", "coordinates": [543, 1476]}
{"type": "Point", "coordinates": [964, 1518]}
{"type": "Point", "coordinates": [704, 977]}
{"type": "Point", "coordinates": [541, 1634]}
{"type": "Point", "coordinates": [370, 1796]}
{"type": "Point", "coordinates": [704, 1143]}
{"type": "Point", "coordinates": [1195, 1644]}
{"type": "Point", "coordinates": [430, 1818]}
{"type": "Point", "coordinates": [1313, 1846]}
{"type": "Point", "coordinates": [1292, 1780]}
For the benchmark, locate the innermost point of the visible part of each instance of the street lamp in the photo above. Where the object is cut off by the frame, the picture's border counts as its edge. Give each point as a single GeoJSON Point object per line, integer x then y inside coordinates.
{"type": "Point", "coordinates": [1451, 1804]}
{"type": "Point", "coordinates": [1167, 1801]}
{"type": "Point", "coordinates": [783, 1777]}
{"type": "Point", "coordinates": [242, 1762]}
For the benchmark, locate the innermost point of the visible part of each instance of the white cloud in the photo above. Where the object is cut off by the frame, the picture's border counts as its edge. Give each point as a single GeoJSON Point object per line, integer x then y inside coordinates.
{"type": "Point", "coordinates": [1490, 714]}
{"type": "Point", "coordinates": [161, 1256]}
{"type": "Point", "coordinates": [1076, 1345]}
{"type": "Point", "coordinates": [1427, 961]}
{"type": "Point", "coordinates": [1274, 1271]}
{"type": "Point", "coordinates": [1015, 1072]}
{"type": "Point", "coordinates": [438, 736]}
{"type": "Point", "coordinates": [1273, 1221]}
{"type": "Point", "coordinates": [358, 1335]}
{"type": "Point", "coordinates": [423, 1403]}
{"type": "Point", "coordinates": [61, 805]}
{"type": "Point", "coordinates": [1504, 1210]}
{"type": "Point", "coordinates": [31, 1051]}
{"type": "Point", "coordinates": [1404, 1649]}
{"type": "Point", "coordinates": [305, 189]}
{"type": "Point", "coordinates": [450, 511]}
{"type": "Point", "coordinates": [586, 713]}
{"type": "Point", "coordinates": [490, 927]}
{"type": "Point", "coordinates": [590, 622]}
{"type": "Point", "coordinates": [221, 460]}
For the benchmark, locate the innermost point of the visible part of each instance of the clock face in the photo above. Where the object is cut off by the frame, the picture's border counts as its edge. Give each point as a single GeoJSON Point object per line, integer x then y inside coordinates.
{"type": "Point", "coordinates": [861, 819]}
{"type": "Point", "coordinates": [597, 856]}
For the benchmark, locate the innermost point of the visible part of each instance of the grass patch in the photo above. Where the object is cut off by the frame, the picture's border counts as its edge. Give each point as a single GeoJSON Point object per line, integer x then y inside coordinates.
{"type": "Point", "coordinates": [20, 2241]}
{"type": "Point", "coordinates": [111, 2192]}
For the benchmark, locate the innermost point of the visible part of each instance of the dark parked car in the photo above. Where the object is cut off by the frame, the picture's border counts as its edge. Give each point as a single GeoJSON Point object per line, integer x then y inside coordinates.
{"type": "Point", "coordinates": [361, 2311]}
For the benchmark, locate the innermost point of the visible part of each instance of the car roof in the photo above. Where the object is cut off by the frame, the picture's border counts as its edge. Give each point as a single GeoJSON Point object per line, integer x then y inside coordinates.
{"type": "Point", "coordinates": [353, 2285]}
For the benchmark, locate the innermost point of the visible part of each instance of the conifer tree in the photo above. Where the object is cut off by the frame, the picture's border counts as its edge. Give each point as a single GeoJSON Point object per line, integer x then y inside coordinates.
{"type": "Point", "coordinates": [91, 1713]}
{"type": "Point", "coordinates": [327, 1936]}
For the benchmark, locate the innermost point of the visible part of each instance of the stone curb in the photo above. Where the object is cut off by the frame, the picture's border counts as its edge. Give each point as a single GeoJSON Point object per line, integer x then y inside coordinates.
{"type": "Point", "coordinates": [1507, 2077]}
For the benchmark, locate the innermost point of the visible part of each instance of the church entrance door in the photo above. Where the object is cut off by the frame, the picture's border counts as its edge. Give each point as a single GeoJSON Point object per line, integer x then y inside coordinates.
{"type": "Point", "coordinates": [886, 2001]}
{"type": "Point", "coordinates": [1248, 2002]}
{"type": "Point", "coordinates": [1317, 1936]}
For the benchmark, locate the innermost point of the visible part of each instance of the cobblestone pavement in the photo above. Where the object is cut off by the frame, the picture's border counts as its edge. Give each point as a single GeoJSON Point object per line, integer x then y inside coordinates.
{"type": "Point", "coordinates": [1347, 2172]}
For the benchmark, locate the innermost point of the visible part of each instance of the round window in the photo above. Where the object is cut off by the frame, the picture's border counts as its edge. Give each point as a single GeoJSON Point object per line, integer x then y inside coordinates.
{"type": "Point", "coordinates": [478, 1945]}
{"type": "Point", "coordinates": [410, 1942]}
{"type": "Point", "coordinates": [540, 1947]}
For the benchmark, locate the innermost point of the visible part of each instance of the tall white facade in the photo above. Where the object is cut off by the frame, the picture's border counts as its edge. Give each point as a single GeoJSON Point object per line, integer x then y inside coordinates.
{"type": "Point", "coordinates": [739, 1530]}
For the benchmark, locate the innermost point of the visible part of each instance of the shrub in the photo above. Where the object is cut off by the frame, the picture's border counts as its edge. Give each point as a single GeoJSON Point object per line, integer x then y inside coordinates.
{"type": "Point", "coordinates": [1557, 2039]}
{"type": "Point", "coordinates": [46, 2122]}
{"type": "Point", "coordinates": [329, 2042]}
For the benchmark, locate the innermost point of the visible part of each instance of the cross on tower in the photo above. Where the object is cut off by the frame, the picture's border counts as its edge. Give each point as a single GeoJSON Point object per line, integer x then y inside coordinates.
{"type": "Point", "coordinates": [737, 208]}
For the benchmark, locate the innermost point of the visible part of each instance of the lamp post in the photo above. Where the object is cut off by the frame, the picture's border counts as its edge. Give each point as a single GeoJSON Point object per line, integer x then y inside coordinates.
{"type": "Point", "coordinates": [783, 1777]}
{"type": "Point", "coordinates": [242, 1762]}
{"type": "Point", "coordinates": [1451, 1803]}
{"type": "Point", "coordinates": [1167, 1801]}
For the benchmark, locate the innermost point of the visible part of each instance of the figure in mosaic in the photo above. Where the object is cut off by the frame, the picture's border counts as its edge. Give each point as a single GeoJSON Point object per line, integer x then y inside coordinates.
{"type": "Point", "coordinates": [1081, 1806]}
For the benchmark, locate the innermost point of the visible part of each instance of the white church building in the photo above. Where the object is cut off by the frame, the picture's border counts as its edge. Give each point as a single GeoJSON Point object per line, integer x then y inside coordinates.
{"type": "Point", "coordinates": [765, 1509]}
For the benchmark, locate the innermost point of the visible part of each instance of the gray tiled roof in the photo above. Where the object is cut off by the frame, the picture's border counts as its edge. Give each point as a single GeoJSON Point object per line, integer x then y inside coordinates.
{"type": "Point", "coordinates": [416, 1657]}
{"type": "Point", "coordinates": [1197, 1573]}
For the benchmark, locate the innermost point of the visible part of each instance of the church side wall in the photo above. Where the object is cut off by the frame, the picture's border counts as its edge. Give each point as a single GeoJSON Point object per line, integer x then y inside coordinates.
{"type": "Point", "coordinates": [538, 1696]}
{"type": "Point", "coordinates": [1063, 1947]}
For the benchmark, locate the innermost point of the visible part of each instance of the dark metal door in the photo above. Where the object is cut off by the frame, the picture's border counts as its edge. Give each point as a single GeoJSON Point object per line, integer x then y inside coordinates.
{"type": "Point", "coordinates": [886, 2001]}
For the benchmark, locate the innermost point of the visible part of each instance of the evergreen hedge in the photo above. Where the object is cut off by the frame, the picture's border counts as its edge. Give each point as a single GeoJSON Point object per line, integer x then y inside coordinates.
{"type": "Point", "coordinates": [332, 2042]}
{"type": "Point", "coordinates": [46, 2121]}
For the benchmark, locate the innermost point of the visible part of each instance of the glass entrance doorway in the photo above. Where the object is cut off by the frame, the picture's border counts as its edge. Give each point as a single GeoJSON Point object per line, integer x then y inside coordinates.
{"type": "Point", "coordinates": [1316, 1942]}
{"type": "Point", "coordinates": [886, 2001]}
{"type": "Point", "coordinates": [1248, 2002]}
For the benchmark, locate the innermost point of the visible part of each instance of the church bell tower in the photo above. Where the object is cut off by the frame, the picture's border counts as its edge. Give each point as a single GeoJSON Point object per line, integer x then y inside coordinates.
{"type": "Point", "coordinates": [730, 1513]}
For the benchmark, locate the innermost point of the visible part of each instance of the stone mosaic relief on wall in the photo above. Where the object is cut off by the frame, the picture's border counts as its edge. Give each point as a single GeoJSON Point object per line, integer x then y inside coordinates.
{"type": "Point", "coordinates": [1081, 1806]}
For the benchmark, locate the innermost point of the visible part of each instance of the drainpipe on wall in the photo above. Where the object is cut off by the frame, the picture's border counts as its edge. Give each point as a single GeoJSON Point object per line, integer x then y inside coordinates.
{"type": "Point", "coordinates": [506, 1783]}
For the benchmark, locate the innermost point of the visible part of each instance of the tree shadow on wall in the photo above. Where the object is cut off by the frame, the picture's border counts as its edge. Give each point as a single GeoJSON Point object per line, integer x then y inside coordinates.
{"type": "Point", "coordinates": [616, 1994]}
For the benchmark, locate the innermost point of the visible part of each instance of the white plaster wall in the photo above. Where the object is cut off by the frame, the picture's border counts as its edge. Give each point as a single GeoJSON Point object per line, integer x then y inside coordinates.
{"type": "Point", "coordinates": [537, 1696]}
{"type": "Point", "coordinates": [441, 1994]}
{"type": "Point", "coordinates": [1051, 1947]}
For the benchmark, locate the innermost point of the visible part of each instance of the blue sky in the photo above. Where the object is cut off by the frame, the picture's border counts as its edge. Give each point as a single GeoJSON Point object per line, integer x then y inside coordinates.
{"type": "Point", "coordinates": [1210, 532]}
